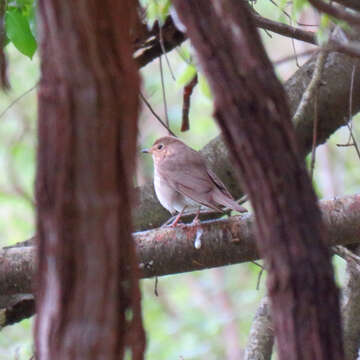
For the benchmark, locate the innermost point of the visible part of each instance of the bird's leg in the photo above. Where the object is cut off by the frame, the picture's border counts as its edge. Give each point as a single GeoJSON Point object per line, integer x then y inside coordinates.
{"type": "Point", "coordinates": [196, 220]}
{"type": "Point", "coordinates": [174, 223]}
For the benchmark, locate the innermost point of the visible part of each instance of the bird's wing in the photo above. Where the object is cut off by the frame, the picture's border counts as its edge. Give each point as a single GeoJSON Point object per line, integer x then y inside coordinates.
{"type": "Point", "coordinates": [218, 183]}
{"type": "Point", "coordinates": [190, 179]}
{"type": "Point", "coordinates": [222, 196]}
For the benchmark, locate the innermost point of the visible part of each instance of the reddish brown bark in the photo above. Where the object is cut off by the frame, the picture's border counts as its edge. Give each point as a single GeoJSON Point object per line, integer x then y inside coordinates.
{"type": "Point", "coordinates": [88, 100]}
{"type": "Point", "coordinates": [251, 109]}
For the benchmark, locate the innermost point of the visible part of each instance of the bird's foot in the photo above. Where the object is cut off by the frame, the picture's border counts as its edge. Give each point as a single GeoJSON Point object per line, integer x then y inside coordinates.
{"type": "Point", "coordinates": [196, 221]}
{"type": "Point", "coordinates": [175, 222]}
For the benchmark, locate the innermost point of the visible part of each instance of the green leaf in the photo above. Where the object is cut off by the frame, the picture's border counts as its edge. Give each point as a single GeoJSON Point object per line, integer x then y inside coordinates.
{"type": "Point", "coordinates": [186, 76]}
{"type": "Point", "coordinates": [157, 10]}
{"type": "Point", "coordinates": [204, 86]}
{"type": "Point", "coordinates": [323, 33]}
{"type": "Point", "coordinates": [298, 5]}
{"type": "Point", "coordinates": [18, 31]}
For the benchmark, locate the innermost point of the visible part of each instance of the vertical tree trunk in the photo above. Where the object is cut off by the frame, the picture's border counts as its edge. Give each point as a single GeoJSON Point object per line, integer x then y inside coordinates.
{"type": "Point", "coordinates": [251, 109]}
{"type": "Point", "coordinates": [88, 100]}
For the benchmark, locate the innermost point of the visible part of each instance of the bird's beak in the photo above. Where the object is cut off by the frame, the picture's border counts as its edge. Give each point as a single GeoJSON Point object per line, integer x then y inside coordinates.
{"type": "Point", "coordinates": [145, 151]}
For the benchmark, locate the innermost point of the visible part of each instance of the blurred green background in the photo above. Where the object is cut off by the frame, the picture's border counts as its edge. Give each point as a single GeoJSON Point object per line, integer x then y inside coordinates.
{"type": "Point", "coordinates": [200, 315]}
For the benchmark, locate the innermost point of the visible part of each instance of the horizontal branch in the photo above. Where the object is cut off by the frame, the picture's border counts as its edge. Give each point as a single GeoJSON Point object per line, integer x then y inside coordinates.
{"type": "Point", "coordinates": [336, 11]}
{"type": "Point", "coordinates": [149, 48]}
{"type": "Point", "coordinates": [333, 110]}
{"type": "Point", "coordinates": [185, 248]}
{"type": "Point", "coordinates": [18, 308]}
{"type": "Point", "coordinates": [352, 4]}
{"type": "Point", "coordinates": [284, 29]}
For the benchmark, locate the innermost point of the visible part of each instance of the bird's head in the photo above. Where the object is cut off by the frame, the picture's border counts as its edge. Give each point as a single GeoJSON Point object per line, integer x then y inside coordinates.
{"type": "Point", "coordinates": [163, 148]}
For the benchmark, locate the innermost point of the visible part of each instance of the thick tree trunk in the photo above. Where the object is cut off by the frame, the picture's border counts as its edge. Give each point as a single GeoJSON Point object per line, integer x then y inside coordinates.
{"type": "Point", "coordinates": [88, 100]}
{"type": "Point", "coordinates": [251, 109]}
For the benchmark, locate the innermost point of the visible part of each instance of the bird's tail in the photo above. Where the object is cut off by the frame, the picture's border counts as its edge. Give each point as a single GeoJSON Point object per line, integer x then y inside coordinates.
{"type": "Point", "coordinates": [220, 198]}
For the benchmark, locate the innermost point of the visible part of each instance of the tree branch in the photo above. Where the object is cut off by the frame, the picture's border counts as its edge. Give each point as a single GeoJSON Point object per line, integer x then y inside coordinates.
{"type": "Point", "coordinates": [19, 308]}
{"type": "Point", "coordinates": [283, 29]}
{"type": "Point", "coordinates": [261, 337]}
{"type": "Point", "coordinates": [332, 110]}
{"type": "Point", "coordinates": [167, 250]}
{"type": "Point", "coordinates": [351, 310]}
{"type": "Point", "coordinates": [352, 4]}
{"type": "Point", "coordinates": [335, 11]}
{"type": "Point", "coordinates": [149, 46]}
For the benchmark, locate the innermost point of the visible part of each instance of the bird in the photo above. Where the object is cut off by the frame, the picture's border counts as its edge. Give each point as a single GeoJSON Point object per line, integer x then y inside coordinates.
{"type": "Point", "coordinates": [182, 179]}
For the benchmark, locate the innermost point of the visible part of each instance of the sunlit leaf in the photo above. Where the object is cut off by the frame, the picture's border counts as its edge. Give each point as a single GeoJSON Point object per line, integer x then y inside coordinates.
{"type": "Point", "coordinates": [19, 33]}
{"type": "Point", "coordinates": [204, 86]}
{"type": "Point", "coordinates": [187, 75]}
{"type": "Point", "coordinates": [322, 35]}
{"type": "Point", "coordinates": [297, 6]}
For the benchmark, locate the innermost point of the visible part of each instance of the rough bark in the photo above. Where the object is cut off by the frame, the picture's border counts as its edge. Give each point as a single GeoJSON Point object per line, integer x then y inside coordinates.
{"type": "Point", "coordinates": [333, 98]}
{"type": "Point", "coordinates": [171, 251]}
{"type": "Point", "coordinates": [17, 274]}
{"type": "Point", "coordinates": [255, 121]}
{"type": "Point", "coordinates": [88, 100]}
{"type": "Point", "coordinates": [351, 311]}
{"type": "Point", "coordinates": [261, 337]}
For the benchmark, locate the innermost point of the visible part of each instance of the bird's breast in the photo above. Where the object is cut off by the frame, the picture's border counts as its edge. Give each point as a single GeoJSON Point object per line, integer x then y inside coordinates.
{"type": "Point", "coordinates": [169, 198]}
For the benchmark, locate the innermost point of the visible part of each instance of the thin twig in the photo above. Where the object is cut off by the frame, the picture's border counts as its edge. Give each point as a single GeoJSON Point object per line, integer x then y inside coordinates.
{"type": "Point", "coordinates": [17, 100]}
{"type": "Point", "coordinates": [259, 279]}
{"type": "Point", "coordinates": [283, 29]}
{"type": "Point", "coordinates": [315, 129]}
{"type": "Point", "coordinates": [163, 92]}
{"type": "Point", "coordinates": [351, 100]}
{"type": "Point", "coordinates": [142, 97]}
{"type": "Point", "coordinates": [262, 268]}
{"type": "Point", "coordinates": [156, 292]}
{"type": "Point", "coordinates": [161, 39]}
{"type": "Point", "coordinates": [349, 123]}
{"type": "Point", "coordinates": [292, 57]}
{"type": "Point", "coordinates": [294, 47]}
{"type": "Point", "coordinates": [259, 265]}
{"type": "Point", "coordinates": [281, 9]}
{"type": "Point", "coordinates": [351, 93]}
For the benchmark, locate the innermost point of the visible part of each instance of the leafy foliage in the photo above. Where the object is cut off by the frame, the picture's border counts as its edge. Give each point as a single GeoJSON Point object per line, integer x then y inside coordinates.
{"type": "Point", "coordinates": [19, 26]}
{"type": "Point", "coordinates": [156, 10]}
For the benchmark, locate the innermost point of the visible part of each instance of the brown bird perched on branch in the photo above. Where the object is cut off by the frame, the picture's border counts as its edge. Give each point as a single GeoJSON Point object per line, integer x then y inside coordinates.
{"type": "Point", "coordinates": [182, 179]}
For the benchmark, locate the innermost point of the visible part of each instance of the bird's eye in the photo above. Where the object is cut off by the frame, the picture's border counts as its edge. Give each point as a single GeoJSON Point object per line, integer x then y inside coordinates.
{"type": "Point", "coordinates": [160, 146]}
